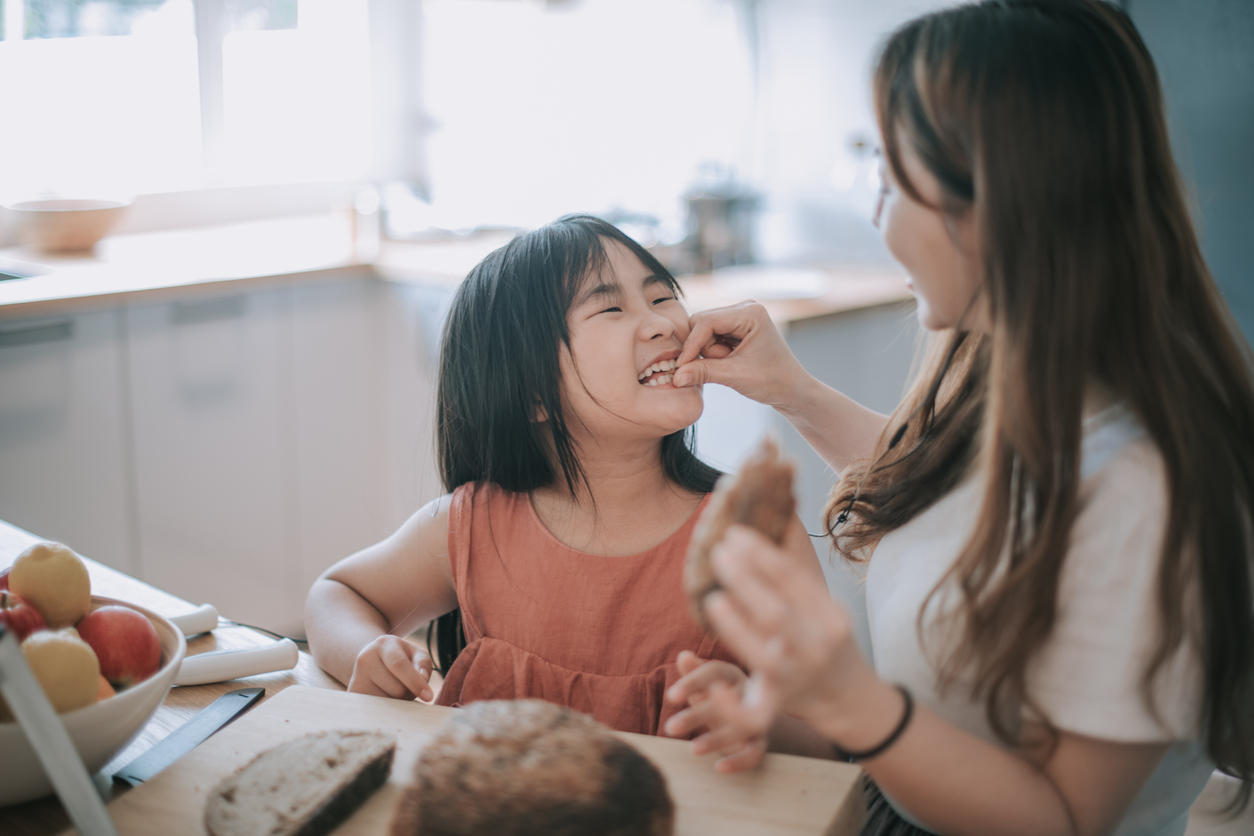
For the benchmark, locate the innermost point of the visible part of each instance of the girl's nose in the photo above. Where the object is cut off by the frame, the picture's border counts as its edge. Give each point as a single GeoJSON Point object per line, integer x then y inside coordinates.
{"type": "Point", "coordinates": [657, 326]}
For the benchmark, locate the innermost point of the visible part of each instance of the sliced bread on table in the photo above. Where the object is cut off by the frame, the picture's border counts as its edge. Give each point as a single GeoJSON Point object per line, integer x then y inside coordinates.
{"type": "Point", "coordinates": [305, 787]}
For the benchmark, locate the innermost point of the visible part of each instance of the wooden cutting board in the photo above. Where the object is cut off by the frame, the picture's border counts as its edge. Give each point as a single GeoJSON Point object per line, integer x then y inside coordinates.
{"type": "Point", "coordinates": [787, 795]}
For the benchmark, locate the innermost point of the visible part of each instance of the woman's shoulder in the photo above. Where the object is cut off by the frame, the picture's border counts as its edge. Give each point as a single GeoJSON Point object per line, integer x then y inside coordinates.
{"type": "Point", "coordinates": [1122, 472]}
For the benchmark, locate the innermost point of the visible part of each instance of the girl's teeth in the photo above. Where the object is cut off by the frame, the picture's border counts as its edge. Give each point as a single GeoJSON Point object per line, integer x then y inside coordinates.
{"type": "Point", "coordinates": [664, 366]}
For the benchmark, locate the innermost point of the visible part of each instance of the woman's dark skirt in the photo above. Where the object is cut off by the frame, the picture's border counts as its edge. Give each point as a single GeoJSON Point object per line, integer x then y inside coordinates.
{"type": "Point", "coordinates": [882, 819]}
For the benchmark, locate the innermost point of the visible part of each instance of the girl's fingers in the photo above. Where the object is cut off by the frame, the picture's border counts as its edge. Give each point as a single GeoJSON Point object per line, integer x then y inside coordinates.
{"type": "Point", "coordinates": [698, 679]}
{"type": "Point", "coordinates": [687, 662]}
{"type": "Point", "coordinates": [703, 713]}
{"type": "Point", "coordinates": [683, 723]}
{"type": "Point", "coordinates": [750, 757]}
{"type": "Point", "coordinates": [406, 670]}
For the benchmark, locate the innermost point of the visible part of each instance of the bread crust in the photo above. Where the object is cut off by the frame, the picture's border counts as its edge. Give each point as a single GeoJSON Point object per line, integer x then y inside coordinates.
{"type": "Point", "coordinates": [531, 768]}
{"type": "Point", "coordinates": [759, 496]}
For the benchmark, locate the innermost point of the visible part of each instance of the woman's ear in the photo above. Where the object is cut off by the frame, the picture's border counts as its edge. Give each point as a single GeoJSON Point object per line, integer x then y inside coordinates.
{"type": "Point", "coordinates": [540, 415]}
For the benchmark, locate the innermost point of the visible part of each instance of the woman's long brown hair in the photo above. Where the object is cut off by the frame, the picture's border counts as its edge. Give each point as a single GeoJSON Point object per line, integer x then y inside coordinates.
{"type": "Point", "coordinates": [1045, 119]}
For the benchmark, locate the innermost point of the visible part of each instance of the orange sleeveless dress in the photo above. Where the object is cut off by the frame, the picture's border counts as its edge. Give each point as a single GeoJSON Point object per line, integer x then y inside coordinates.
{"type": "Point", "coordinates": [598, 634]}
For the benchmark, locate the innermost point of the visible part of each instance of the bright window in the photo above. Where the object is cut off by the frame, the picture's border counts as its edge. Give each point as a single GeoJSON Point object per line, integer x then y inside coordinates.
{"type": "Point", "coordinates": [140, 96]}
{"type": "Point", "coordinates": [545, 108]}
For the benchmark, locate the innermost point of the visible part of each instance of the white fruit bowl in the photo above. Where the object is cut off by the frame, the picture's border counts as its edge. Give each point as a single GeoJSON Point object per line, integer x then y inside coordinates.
{"type": "Point", "coordinates": [99, 731]}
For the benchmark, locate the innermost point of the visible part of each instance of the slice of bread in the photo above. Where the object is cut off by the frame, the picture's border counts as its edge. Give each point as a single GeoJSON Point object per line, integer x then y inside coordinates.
{"type": "Point", "coordinates": [759, 496]}
{"type": "Point", "coordinates": [305, 787]}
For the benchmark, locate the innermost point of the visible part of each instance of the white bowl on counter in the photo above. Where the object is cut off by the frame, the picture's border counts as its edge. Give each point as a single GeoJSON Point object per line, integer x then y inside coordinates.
{"type": "Point", "coordinates": [65, 225]}
{"type": "Point", "coordinates": [99, 731]}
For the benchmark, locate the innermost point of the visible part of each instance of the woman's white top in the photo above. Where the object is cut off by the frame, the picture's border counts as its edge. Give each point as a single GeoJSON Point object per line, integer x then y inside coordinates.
{"type": "Point", "coordinates": [1088, 677]}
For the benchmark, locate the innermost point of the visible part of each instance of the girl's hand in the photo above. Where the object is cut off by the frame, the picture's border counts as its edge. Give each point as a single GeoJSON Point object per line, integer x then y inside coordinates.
{"type": "Point", "coordinates": [713, 690]}
{"type": "Point", "coordinates": [392, 667]}
{"type": "Point", "coordinates": [796, 640]}
{"type": "Point", "coordinates": [742, 349]}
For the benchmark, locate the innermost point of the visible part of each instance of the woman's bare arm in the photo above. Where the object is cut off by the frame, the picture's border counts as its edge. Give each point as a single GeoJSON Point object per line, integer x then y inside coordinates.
{"type": "Point", "coordinates": [388, 589]}
{"type": "Point", "coordinates": [740, 347]}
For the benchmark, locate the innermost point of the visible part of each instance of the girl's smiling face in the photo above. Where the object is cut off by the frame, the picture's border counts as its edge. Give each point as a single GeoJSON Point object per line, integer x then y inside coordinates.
{"type": "Point", "coordinates": [624, 322]}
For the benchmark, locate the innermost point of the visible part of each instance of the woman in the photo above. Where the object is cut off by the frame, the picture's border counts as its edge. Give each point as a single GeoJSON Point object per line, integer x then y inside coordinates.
{"type": "Point", "coordinates": [1057, 518]}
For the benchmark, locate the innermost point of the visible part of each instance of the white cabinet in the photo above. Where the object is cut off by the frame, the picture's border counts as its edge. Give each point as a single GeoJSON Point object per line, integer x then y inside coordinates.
{"type": "Point", "coordinates": [63, 439]}
{"type": "Point", "coordinates": [413, 317]}
{"type": "Point", "coordinates": [341, 447]}
{"type": "Point", "coordinates": [214, 452]}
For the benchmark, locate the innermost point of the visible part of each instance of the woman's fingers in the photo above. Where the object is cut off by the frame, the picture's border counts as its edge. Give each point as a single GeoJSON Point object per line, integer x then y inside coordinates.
{"type": "Point", "coordinates": [742, 349]}
{"type": "Point", "coordinates": [735, 628]}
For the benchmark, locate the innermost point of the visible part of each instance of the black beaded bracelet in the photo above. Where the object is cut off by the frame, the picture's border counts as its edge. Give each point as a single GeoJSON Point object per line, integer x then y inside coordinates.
{"type": "Point", "coordinates": [854, 757]}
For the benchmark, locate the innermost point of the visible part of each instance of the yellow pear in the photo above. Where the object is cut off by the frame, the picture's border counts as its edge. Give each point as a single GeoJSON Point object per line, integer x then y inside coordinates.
{"type": "Point", "coordinates": [65, 666]}
{"type": "Point", "coordinates": [53, 580]}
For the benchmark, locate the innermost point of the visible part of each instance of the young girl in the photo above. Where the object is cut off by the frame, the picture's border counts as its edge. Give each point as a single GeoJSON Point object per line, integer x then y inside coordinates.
{"type": "Point", "coordinates": [556, 559]}
{"type": "Point", "coordinates": [1058, 516]}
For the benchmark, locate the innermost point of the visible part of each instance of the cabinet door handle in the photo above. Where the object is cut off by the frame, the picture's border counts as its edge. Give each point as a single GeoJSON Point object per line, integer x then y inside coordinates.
{"type": "Point", "coordinates": [46, 333]}
{"type": "Point", "coordinates": [211, 310]}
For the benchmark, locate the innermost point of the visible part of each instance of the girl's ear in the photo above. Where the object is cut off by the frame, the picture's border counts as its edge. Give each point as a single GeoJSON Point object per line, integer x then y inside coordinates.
{"type": "Point", "coordinates": [540, 415]}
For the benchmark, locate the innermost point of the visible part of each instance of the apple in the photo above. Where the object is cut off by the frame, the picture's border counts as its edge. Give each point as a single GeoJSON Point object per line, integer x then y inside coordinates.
{"type": "Point", "coordinates": [4, 577]}
{"type": "Point", "coordinates": [125, 642]}
{"type": "Point", "coordinates": [54, 580]}
{"type": "Point", "coordinates": [19, 616]}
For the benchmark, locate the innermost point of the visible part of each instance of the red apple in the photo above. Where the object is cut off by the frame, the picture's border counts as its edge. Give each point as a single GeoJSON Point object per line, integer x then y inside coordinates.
{"type": "Point", "coordinates": [4, 577]}
{"type": "Point", "coordinates": [125, 642]}
{"type": "Point", "coordinates": [19, 616]}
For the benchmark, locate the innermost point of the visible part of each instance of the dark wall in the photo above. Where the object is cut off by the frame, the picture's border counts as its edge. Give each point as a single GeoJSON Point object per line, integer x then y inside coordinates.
{"type": "Point", "coordinates": [1204, 50]}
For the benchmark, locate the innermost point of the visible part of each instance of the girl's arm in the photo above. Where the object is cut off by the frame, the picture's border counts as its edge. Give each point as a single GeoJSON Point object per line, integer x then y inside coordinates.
{"type": "Point", "coordinates": [800, 646]}
{"type": "Point", "coordinates": [358, 610]}
{"type": "Point", "coordinates": [740, 347]}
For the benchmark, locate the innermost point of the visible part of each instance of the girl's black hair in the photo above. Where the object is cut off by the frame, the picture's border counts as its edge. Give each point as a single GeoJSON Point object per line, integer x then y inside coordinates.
{"type": "Point", "coordinates": [499, 369]}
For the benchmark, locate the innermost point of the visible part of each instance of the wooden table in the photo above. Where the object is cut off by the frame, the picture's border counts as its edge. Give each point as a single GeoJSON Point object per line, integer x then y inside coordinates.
{"type": "Point", "coordinates": [46, 815]}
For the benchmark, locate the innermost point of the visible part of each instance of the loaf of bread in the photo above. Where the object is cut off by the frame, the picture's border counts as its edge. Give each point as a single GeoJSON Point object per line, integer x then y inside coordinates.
{"type": "Point", "coordinates": [759, 496]}
{"type": "Point", "coordinates": [531, 768]}
{"type": "Point", "coordinates": [306, 787]}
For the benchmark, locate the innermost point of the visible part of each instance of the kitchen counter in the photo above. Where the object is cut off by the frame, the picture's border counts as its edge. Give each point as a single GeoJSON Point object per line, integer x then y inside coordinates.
{"type": "Point", "coordinates": [156, 267]}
